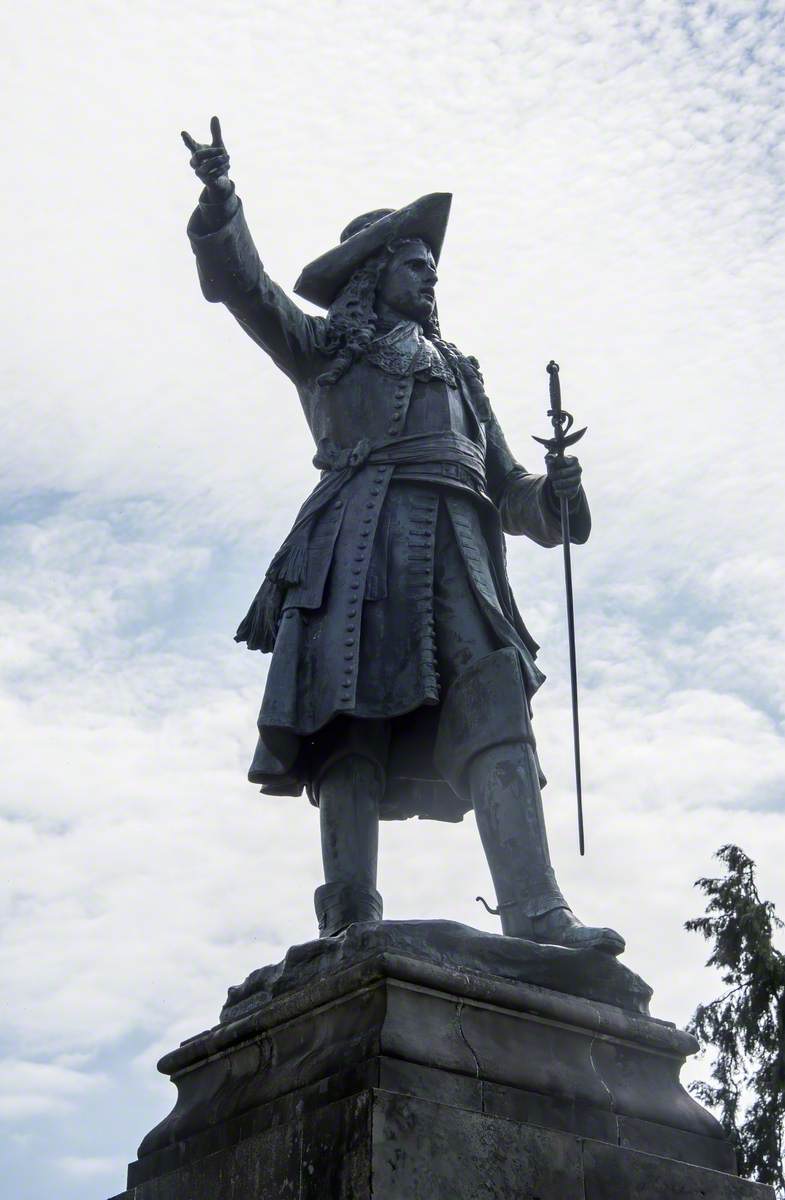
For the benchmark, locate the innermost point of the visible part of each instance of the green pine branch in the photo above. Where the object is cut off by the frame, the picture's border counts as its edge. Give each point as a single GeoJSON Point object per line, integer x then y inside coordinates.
{"type": "Point", "coordinates": [745, 1026]}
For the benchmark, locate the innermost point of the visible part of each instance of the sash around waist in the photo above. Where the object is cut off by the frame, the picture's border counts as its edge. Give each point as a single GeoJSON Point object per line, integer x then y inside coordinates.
{"type": "Point", "coordinates": [419, 449]}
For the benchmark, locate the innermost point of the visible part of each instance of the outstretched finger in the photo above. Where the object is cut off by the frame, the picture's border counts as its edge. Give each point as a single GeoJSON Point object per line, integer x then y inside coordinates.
{"type": "Point", "coordinates": [190, 142]}
{"type": "Point", "coordinates": [215, 130]}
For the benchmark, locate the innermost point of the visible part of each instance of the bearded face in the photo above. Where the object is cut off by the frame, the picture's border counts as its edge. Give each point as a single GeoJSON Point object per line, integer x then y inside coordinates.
{"type": "Point", "coordinates": [407, 284]}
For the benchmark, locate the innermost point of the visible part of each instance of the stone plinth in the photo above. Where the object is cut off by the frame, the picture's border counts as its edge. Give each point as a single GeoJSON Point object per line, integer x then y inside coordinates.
{"type": "Point", "coordinates": [445, 944]}
{"type": "Point", "coordinates": [402, 1079]}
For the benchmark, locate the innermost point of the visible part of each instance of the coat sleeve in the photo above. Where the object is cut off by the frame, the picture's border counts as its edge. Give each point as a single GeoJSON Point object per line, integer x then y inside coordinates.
{"type": "Point", "coordinates": [231, 272]}
{"type": "Point", "coordinates": [526, 502]}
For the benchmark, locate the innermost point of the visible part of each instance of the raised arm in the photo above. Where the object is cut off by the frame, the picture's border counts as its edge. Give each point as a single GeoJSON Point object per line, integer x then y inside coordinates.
{"type": "Point", "coordinates": [230, 270]}
{"type": "Point", "coordinates": [529, 504]}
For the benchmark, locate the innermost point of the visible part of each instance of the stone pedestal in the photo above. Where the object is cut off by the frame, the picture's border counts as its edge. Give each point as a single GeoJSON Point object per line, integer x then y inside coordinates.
{"type": "Point", "coordinates": [400, 1078]}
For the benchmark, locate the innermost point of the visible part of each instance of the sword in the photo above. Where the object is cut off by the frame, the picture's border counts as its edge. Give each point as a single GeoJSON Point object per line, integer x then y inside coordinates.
{"type": "Point", "coordinates": [562, 423]}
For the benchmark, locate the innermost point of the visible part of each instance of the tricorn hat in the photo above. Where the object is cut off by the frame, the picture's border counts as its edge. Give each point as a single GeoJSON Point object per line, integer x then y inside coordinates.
{"type": "Point", "coordinates": [426, 218]}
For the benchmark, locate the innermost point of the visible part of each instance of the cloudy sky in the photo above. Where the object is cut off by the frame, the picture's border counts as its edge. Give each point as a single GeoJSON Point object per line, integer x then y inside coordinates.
{"type": "Point", "coordinates": [617, 167]}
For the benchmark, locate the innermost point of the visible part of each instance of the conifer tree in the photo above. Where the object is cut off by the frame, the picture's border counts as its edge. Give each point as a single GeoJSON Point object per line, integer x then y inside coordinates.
{"type": "Point", "coordinates": [745, 1026]}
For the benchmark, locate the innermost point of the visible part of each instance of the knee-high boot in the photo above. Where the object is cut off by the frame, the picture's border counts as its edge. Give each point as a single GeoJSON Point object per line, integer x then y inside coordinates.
{"type": "Point", "coordinates": [485, 749]}
{"type": "Point", "coordinates": [349, 793]}
{"type": "Point", "coordinates": [505, 792]}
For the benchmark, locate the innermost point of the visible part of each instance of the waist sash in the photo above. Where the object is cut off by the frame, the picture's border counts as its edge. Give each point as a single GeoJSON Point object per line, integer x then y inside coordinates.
{"type": "Point", "coordinates": [417, 449]}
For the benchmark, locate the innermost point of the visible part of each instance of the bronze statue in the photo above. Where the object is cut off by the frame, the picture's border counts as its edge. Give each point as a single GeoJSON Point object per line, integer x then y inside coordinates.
{"type": "Point", "coordinates": [401, 673]}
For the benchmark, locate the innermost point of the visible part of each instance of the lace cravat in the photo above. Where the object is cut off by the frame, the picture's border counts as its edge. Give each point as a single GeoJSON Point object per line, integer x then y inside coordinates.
{"type": "Point", "coordinates": [406, 351]}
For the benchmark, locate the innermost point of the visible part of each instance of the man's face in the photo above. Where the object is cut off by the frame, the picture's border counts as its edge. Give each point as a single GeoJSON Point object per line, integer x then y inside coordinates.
{"type": "Point", "coordinates": [407, 285]}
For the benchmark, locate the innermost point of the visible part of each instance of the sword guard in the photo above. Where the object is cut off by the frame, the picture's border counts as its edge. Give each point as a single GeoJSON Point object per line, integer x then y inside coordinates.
{"type": "Point", "coordinates": [562, 418]}
{"type": "Point", "coordinates": [554, 445]}
{"type": "Point", "coordinates": [572, 438]}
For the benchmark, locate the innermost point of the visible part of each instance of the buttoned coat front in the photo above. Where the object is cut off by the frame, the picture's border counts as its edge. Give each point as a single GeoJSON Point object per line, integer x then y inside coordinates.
{"type": "Point", "coordinates": [354, 632]}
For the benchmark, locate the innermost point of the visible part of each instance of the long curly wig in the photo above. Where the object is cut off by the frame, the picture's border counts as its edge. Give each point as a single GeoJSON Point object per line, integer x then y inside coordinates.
{"type": "Point", "coordinates": [351, 327]}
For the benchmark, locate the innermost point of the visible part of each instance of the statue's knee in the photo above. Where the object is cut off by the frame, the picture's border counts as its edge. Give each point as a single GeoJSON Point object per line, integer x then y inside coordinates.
{"type": "Point", "coordinates": [355, 759]}
{"type": "Point", "coordinates": [485, 707]}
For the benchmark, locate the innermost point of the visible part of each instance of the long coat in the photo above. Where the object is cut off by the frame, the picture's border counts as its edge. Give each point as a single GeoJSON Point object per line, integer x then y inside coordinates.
{"type": "Point", "coordinates": [346, 605]}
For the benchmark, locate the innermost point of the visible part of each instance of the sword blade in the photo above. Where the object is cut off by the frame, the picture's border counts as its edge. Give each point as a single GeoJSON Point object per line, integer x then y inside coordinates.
{"type": "Point", "coordinates": [576, 736]}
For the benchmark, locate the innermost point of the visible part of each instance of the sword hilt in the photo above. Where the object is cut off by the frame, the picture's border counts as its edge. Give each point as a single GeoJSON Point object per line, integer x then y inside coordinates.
{"type": "Point", "coordinates": [554, 388]}
{"type": "Point", "coordinates": [561, 420]}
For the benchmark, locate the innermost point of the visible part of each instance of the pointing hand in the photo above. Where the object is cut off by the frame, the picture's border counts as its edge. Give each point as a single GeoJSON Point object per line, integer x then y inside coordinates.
{"type": "Point", "coordinates": [211, 162]}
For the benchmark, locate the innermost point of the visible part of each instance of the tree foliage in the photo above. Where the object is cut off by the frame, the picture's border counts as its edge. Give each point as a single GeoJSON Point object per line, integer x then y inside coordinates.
{"type": "Point", "coordinates": [746, 1025]}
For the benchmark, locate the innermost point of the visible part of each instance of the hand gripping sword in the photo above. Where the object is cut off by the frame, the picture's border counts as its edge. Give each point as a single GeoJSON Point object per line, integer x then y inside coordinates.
{"type": "Point", "coordinates": [562, 423]}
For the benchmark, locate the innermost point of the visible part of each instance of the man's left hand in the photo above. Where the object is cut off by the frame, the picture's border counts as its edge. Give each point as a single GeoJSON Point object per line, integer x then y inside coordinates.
{"type": "Point", "coordinates": [564, 475]}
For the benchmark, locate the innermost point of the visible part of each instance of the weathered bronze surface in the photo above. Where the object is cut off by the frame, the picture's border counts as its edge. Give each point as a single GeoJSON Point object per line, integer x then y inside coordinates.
{"type": "Point", "coordinates": [402, 674]}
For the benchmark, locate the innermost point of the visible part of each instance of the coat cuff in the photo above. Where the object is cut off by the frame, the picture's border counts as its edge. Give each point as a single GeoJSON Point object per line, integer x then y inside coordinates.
{"type": "Point", "coordinates": [226, 256]}
{"type": "Point", "coordinates": [210, 216]}
{"type": "Point", "coordinates": [528, 505]}
{"type": "Point", "coordinates": [580, 520]}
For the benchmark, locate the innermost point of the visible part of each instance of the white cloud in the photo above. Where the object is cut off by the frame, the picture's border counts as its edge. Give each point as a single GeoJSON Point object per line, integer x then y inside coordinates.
{"type": "Point", "coordinates": [88, 1167]}
{"type": "Point", "coordinates": [30, 1088]}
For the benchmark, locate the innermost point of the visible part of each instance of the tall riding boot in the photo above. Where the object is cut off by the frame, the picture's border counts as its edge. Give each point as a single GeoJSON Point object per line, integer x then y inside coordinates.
{"type": "Point", "coordinates": [350, 793]}
{"type": "Point", "coordinates": [485, 749]}
{"type": "Point", "coordinates": [505, 792]}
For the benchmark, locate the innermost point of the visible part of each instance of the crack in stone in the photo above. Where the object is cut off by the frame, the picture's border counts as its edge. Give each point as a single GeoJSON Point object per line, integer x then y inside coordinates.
{"type": "Point", "coordinates": [466, 1041]}
{"type": "Point", "coordinates": [595, 1068]}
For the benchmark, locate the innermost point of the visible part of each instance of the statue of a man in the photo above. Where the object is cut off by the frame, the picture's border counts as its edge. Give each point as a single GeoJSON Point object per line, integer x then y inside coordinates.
{"type": "Point", "coordinates": [401, 673]}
